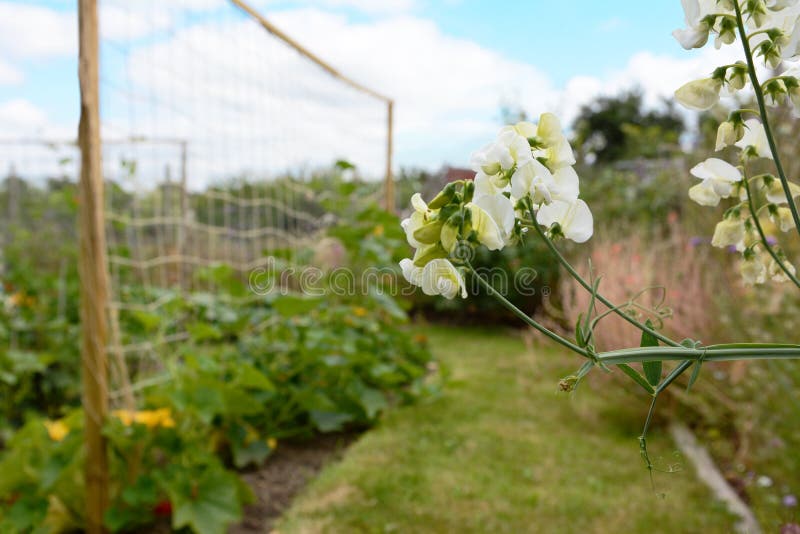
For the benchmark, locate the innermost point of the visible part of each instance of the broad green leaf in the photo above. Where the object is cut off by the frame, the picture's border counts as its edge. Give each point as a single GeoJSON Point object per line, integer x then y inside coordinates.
{"type": "Point", "coordinates": [250, 377]}
{"type": "Point", "coordinates": [329, 421]}
{"type": "Point", "coordinates": [208, 504]}
{"type": "Point", "coordinates": [638, 378]}
{"type": "Point", "coordinates": [254, 453]}
{"type": "Point", "coordinates": [652, 370]}
{"type": "Point", "coordinates": [291, 305]}
{"type": "Point", "coordinates": [373, 401]}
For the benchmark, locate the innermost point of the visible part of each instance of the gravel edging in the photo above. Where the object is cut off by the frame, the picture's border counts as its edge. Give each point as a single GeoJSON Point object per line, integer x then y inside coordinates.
{"type": "Point", "coordinates": [708, 473]}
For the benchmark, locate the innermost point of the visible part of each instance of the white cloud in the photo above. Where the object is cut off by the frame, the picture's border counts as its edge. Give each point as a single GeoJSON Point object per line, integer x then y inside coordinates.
{"type": "Point", "coordinates": [9, 74]}
{"type": "Point", "coordinates": [247, 103]}
{"type": "Point", "coordinates": [36, 32]}
{"type": "Point", "coordinates": [20, 114]}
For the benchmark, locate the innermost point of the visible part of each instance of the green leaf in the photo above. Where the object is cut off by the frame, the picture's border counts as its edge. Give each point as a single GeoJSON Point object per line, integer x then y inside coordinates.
{"type": "Point", "coordinates": [291, 305]}
{"type": "Point", "coordinates": [652, 370]}
{"type": "Point", "coordinates": [254, 453]}
{"type": "Point", "coordinates": [373, 401]}
{"type": "Point", "coordinates": [638, 378]}
{"type": "Point", "coordinates": [250, 377]}
{"type": "Point", "coordinates": [206, 504]}
{"type": "Point", "coordinates": [695, 374]}
{"type": "Point", "coordinates": [203, 331]}
{"type": "Point", "coordinates": [329, 421]}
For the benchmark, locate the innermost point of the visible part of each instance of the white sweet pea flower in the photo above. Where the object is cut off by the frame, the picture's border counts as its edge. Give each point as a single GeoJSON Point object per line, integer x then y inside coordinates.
{"type": "Point", "coordinates": [699, 95]}
{"type": "Point", "coordinates": [728, 232]}
{"type": "Point", "coordinates": [753, 271]}
{"type": "Point", "coordinates": [695, 35]}
{"type": "Point", "coordinates": [718, 179]}
{"type": "Point", "coordinates": [567, 184]}
{"type": "Point", "coordinates": [553, 144]}
{"type": "Point", "coordinates": [509, 149]}
{"type": "Point", "coordinates": [755, 136]}
{"type": "Point", "coordinates": [728, 134]}
{"type": "Point", "coordinates": [440, 277]}
{"type": "Point", "coordinates": [535, 180]}
{"type": "Point", "coordinates": [526, 129]}
{"type": "Point", "coordinates": [493, 220]}
{"type": "Point", "coordinates": [484, 186]}
{"type": "Point", "coordinates": [777, 274]}
{"type": "Point", "coordinates": [783, 219]}
{"type": "Point", "coordinates": [411, 272]}
{"type": "Point", "coordinates": [777, 5]}
{"type": "Point", "coordinates": [574, 218]}
{"type": "Point", "coordinates": [416, 220]}
{"type": "Point", "coordinates": [558, 155]}
{"type": "Point", "coordinates": [775, 194]}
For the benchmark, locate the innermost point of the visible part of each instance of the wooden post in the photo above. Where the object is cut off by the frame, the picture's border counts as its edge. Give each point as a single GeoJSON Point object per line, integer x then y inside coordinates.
{"type": "Point", "coordinates": [389, 184]}
{"type": "Point", "coordinates": [92, 267]}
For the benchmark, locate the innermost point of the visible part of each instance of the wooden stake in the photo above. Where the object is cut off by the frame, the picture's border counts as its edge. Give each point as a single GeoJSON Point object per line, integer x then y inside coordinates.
{"type": "Point", "coordinates": [92, 267]}
{"type": "Point", "coordinates": [389, 185]}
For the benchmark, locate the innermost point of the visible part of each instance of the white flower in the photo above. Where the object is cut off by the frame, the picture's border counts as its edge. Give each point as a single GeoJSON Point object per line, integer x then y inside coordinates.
{"type": "Point", "coordinates": [567, 184]}
{"type": "Point", "coordinates": [695, 35]}
{"type": "Point", "coordinates": [411, 272]}
{"type": "Point", "coordinates": [553, 144]}
{"type": "Point", "coordinates": [416, 221]}
{"type": "Point", "coordinates": [777, 274]}
{"type": "Point", "coordinates": [526, 129]}
{"type": "Point", "coordinates": [775, 194]}
{"type": "Point", "coordinates": [753, 271]}
{"type": "Point", "coordinates": [484, 185]}
{"type": "Point", "coordinates": [718, 179]}
{"type": "Point", "coordinates": [699, 95]}
{"type": "Point", "coordinates": [500, 156]}
{"type": "Point", "coordinates": [492, 220]}
{"type": "Point", "coordinates": [728, 134]}
{"type": "Point", "coordinates": [535, 180]}
{"type": "Point", "coordinates": [574, 218]}
{"type": "Point", "coordinates": [756, 137]}
{"type": "Point", "coordinates": [783, 219]}
{"type": "Point", "coordinates": [440, 277]}
{"type": "Point", "coordinates": [728, 232]}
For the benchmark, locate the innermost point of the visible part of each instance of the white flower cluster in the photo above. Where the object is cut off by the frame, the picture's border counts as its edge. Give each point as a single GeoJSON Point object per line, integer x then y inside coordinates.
{"type": "Point", "coordinates": [774, 35]}
{"type": "Point", "coordinates": [528, 166]}
{"type": "Point", "coordinates": [773, 32]}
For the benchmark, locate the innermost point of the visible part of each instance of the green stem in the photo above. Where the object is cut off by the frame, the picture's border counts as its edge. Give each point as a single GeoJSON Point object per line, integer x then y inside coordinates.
{"type": "Point", "coordinates": [571, 270]}
{"type": "Point", "coordinates": [522, 315]}
{"type": "Point", "coordinates": [763, 236]}
{"type": "Point", "coordinates": [748, 53]}
{"type": "Point", "coordinates": [711, 354]}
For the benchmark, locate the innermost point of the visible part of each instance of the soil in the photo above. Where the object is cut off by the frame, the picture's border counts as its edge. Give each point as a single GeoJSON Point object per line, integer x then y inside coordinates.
{"type": "Point", "coordinates": [284, 475]}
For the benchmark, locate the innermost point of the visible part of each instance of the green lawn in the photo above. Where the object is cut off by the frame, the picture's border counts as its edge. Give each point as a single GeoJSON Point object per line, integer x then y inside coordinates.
{"type": "Point", "coordinates": [503, 451]}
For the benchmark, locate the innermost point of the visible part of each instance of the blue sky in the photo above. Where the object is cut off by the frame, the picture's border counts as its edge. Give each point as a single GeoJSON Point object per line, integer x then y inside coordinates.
{"type": "Point", "coordinates": [449, 64]}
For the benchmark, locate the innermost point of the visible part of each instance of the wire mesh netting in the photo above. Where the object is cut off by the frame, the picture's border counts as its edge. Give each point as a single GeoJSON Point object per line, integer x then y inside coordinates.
{"type": "Point", "coordinates": [211, 126]}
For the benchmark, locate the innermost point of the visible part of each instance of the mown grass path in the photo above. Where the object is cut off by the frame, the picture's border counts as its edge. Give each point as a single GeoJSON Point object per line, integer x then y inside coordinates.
{"type": "Point", "coordinates": [502, 451]}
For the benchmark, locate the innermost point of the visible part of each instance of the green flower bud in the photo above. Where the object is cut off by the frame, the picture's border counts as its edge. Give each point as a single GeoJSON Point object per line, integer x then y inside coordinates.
{"type": "Point", "coordinates": [432, 252]}
{"type": "Point", "coordinates": [428, 234]}
{"type": "Point", "coordinates": [469, 191]}
{"type": "Point", "coordinates": [443, 198]}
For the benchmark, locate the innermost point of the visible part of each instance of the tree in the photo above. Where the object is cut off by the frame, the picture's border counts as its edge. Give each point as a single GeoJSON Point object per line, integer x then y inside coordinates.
{"type": "Point", "coordinates": [617, 127]}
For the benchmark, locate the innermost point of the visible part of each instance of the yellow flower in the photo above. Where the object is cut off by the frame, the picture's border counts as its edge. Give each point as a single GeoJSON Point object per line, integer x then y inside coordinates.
{"type": "Point", "coordinates": [378, 231]}
{"type": "Point", "coordinates": [272, 443]}
{"type": "Point", "coordinates": [161, 417]}
{"type": "Point", "coordinates": [360, 312]}
{"type": "Point", "coordinates": [57, 430]}
{"type": "Point", "coordinates": [125, 416]}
